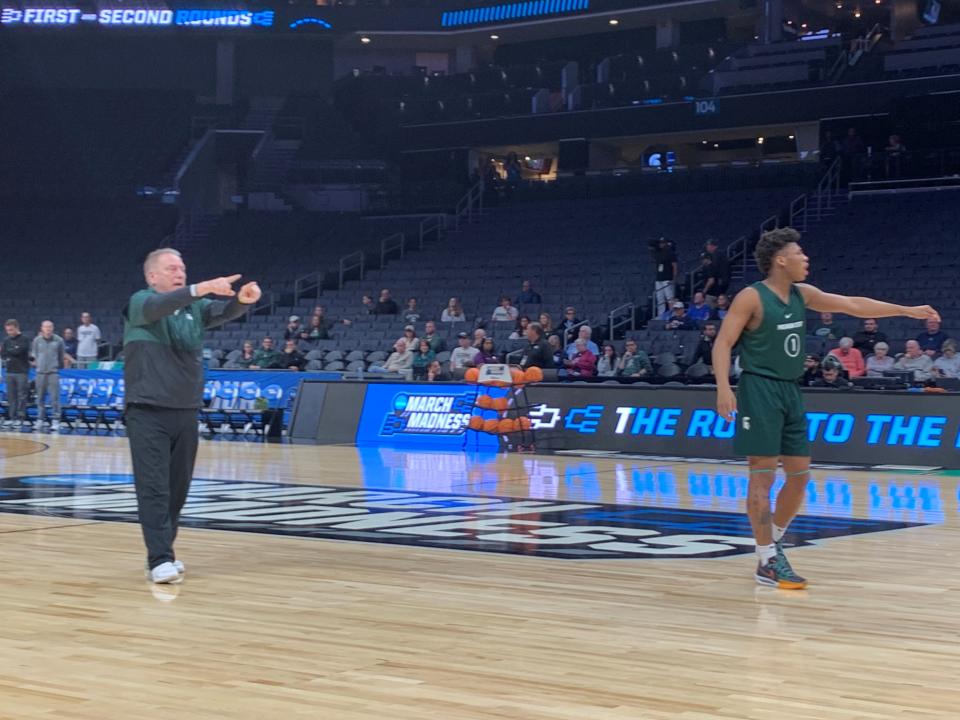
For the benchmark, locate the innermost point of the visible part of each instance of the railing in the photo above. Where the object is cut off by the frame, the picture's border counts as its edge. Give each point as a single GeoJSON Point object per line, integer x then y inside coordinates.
{"type": "Point", "coordinates": [306, 284]}
{"type": "Point", "coordinates": [469, 205]}
{"type": "Point", "coordinates": [798, 212]}
{"type": "Point", "coordinates": [392, 244]}
{"type": "Point", "coordinates": [432, 226]}
{"type": "Point", "coordinates": [348, 263]}
{"type": "Point", "coordinates": [827, 189]}
{"type": "Point", "coordinates": [622, 315]}
{"type": "Point", "coordinates": [862, 45]}
{"type": "Point", "coordinates": [267, 303]}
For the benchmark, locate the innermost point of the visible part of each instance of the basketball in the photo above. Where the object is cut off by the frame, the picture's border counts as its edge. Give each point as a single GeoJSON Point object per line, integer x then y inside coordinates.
{"type": "Point", "coordinates": [471, 375]}
{"type": "Point", "coordinates": [490, 426]}
{"type": "Point", "coordinates": [525, 423]}
{"type": "Point", "coordinates": [476, 423]}
{"type": "Point", "coordinates": [500, 403]}
{"type": "Point", "coordinates": [533, 375]}
{"type": "Point", "coordinates": [506, 426]}
{"type": "Point", "coordinates": [517, 376]}
{"type": "Point", "coordinates": [485, 402]}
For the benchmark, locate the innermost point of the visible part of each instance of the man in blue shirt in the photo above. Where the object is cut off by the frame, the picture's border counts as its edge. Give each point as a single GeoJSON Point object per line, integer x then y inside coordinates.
{"type": "Point", "coordinates": [932, 339]}
{"type": "Point", "coordinates": [585, 334]}
{"type": "Point", "coordinates": [699, 311]}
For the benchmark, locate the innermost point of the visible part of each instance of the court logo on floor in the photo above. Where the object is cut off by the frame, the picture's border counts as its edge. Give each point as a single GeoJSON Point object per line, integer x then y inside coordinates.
{"type": "Point", "coordinates": [544, 528]}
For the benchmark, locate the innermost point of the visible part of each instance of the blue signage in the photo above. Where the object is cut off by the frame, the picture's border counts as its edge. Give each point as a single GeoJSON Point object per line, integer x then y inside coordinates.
{"type": "Point", "coordinates": [421, 415]}
{"type": "Point", "coordinates": [137, 17]}
{"type": "Point", "coordinates": [511, 11]}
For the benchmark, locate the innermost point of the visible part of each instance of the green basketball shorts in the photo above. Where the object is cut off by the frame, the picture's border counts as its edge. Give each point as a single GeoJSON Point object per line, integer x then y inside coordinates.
{"type": "Point", "coordinates": [771, 419]}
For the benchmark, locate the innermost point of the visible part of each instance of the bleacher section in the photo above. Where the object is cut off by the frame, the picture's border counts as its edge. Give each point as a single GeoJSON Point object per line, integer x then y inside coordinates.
{"type": "Point", "coordinates": [931, 50]}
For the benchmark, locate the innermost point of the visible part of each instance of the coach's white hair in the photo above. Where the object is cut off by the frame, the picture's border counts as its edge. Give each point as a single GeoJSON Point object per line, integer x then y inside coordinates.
{"type": "Point", "coordinates": [151, 258]}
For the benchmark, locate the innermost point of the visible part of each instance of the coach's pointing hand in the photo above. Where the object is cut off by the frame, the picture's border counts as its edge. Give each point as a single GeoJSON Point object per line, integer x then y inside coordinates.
{"type": "Point", "coordinates": [222, 286]}
{"type": "Point", "coordinates": [249, 293]}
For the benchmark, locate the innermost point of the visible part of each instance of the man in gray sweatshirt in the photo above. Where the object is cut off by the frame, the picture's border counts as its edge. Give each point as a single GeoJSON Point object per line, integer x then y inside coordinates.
{"type": "Point", "coordinates": [49, 355]}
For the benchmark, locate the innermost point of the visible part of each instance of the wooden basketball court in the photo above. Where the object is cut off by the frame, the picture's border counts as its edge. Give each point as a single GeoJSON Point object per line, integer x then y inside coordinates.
{"type": "Point", "coordinates": [635, 602]}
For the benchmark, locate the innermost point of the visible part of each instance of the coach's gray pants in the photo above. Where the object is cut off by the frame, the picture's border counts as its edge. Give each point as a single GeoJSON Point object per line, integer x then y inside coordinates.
{"type": "Point", "coordinates": [48, 383]}
{"type": "Point", "coordinates": [18, 390]}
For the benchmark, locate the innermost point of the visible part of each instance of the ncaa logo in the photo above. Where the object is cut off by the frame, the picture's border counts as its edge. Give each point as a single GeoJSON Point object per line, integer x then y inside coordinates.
{"type": "Point", "coordinates": [791, 345]}
{"type": "Point", "coordinates": [745, 422]}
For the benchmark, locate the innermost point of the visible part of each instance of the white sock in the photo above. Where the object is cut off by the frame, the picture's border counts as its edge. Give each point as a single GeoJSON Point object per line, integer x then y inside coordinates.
{"type": "Point", "coordinates": [765, 552]}
{"type": "Point", "coordinates": [778, 532]}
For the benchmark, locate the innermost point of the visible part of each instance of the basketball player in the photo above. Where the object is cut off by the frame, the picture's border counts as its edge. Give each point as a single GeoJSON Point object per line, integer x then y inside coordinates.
{"type": "Point", "coordinates": [768, 320]}
{"type": "Point", "coordinates": [162, 342]}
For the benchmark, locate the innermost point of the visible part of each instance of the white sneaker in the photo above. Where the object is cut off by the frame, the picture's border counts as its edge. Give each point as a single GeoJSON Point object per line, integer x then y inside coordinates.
{"type": "Point", "coordinates": [165, 573]}
{"type": "Point", "coordinates": [55, 427]}
{"type": "Point", "coordinates": [181, 568]}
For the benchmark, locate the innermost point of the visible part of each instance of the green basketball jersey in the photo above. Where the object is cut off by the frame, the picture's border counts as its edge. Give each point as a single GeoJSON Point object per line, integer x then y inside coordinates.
{"type": "Point", "coordinates": [775, 349]}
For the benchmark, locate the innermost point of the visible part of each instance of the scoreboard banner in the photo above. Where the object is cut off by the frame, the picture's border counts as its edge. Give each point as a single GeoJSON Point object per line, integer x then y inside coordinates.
{"type": "Point", "coordinates": [856, 427]}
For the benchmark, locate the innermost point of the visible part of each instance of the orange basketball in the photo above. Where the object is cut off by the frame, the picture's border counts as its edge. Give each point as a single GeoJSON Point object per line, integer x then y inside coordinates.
{"type": "Point", "coordinates": [533, 375]}
{"type": "Point", "coordinates": [472, 375]}
{"type": "Point", "coordinates": [485, 402]}
{"type": "Point", "coordinates": [525, 423]}
{"type": "Point", "coordinates": [500, 403]}
{"type": "Point", "coordinates": [517, 375]}
{"type": "Point", "coordinates": [506, 426]}
{"type": "Point", "coordinates": [490, 426]}
{"type": "Point", "coordinates": [476, 423]}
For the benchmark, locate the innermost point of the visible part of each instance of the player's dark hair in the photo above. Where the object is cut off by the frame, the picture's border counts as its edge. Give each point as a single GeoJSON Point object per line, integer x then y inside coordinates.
{"type": "Point", "coordinates": [770, 244]}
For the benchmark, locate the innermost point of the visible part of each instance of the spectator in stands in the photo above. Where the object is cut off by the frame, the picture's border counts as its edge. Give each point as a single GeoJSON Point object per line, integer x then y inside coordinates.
{"type": "Point", "coordinates": [677, 319]}
{"type": "Point", "coordinates": [88, 337]}
{"type": "Point", "coordinates": [70, 345]}
{"type": "Point", "coordinates": [505, 311]}
{"type": "Point", "coordinates": [400, 361]}
{"type": "Point", "coordinates": [49, 356]}
{"type": "Point", "coordinates": [866, 339]}
{"type": "Point", "coordinates": [368, 306]}
{"type": "Point", "coordinates": [464, 355]}
{"type": "Point", "coordinates": [291, 358]}
{"type": "Point", "coordinates": [570, 321]}
{"type": "Point", "coordinates": [718, 279]}
{"type": "Point", "coordinates": [583, 364]}
{"type": "Point", "coordinates": [319, 329]}
{"type": "Point", "coordinates": [699, 311]}
{"type": "Point", "coordinates": [585, 333]}
{"type": "Point", "coordinates": [880, 362]}
{"type": "Point", "coordinates": [546, 324]}
{"type": "Point", "coordinates": [557, 349]}
{"type": "Point", "coordinates": [634, 363]}
{"type": "Point", "coordinates": [704, 351]}
{"type": "Point", "coordinates": [453, 312]}
{"type": "Point", "coordinates": [853, 150]}
{"type": "Point", "coordinates": [15, 352]}
{"type": "Point", "coordinates": [850, 358]}
{"type": "Point", "coordinates": [665, 261]}
{"type": "Point", "coordinates": [528, 296]}
{"type": "Point", "coordinates": [436, 373]}
{"type": "Point", "coordinates": [520, 331]}
{"type": "Point", "coordinates": [410, 338]}
{"type": "Point", "coordinates": [512, 169]}
{"type": "Point", "coordinates": [479, 335]}
{"type": "Point", "coordinates": [608, 361]}
{"type": "Point", "coordinates": [246, 356]}
{"type": "Point", "coordinates": [831, 375]}
{"type": "Point", "coordinates": [538, 352]}
{"type": "Point", "coordinates": [294, 329]}
{"type": "Point", "coordinates": [721, 308]}
{"type": "Point", "coordinates": [932, 339]}
{"type": "Point", "coordinates": [488, 353]}
{"type": "Point", "coordinates": [894, 156]}
{"type": "Point", "coordinates": [829, 150]}
{"type": "Point", "coordinates": [811, 370]}
{"type": "Point", "coordinates": [266, 357]}
{"type": "Point", "coordinates": [915, 361]}
{"type": "Point", "coordinates": [411, 313]}
{"type": "Point", "coordinates": [386, 305]}
{"type": "Point", "coordinates": [422, 359]}
{"type": "Point", "coordinates": [948, 364]}
{"type": "Point", "coordinates": [827, 328]}
{"type": "Point", "coordinates": [430, 335]}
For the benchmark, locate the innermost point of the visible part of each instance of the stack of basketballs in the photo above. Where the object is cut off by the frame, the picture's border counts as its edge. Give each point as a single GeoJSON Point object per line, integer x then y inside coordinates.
{"type": "Point", "coordinates": [503, 411]}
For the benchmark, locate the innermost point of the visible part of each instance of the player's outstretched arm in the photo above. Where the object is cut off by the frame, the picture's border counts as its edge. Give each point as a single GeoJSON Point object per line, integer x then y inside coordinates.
{"type": "Point", "coordinates": [745, 305]}
{"type": "Point", "coordinates": [821, 301]}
